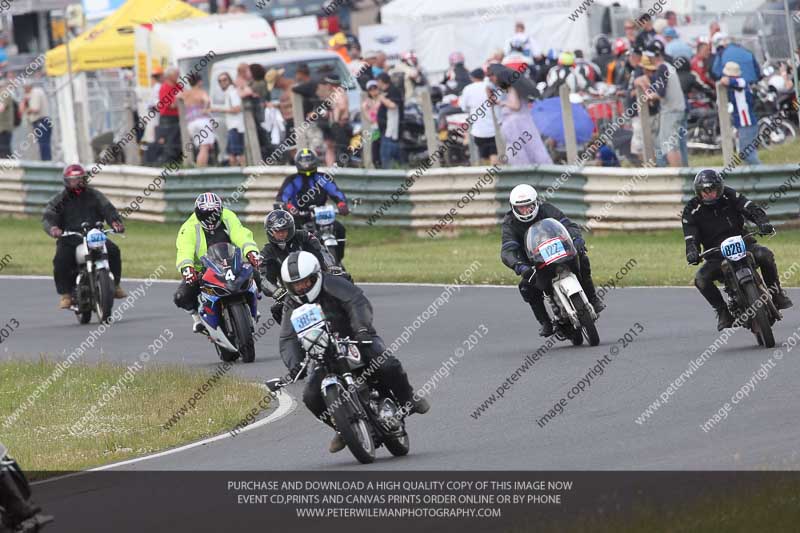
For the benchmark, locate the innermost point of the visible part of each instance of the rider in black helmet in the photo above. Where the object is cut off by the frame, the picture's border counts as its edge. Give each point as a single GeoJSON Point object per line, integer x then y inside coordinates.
{"type": "Point", "coordinates": [283, 239]}
{"type": "Point", "coordinates": [714, 214]}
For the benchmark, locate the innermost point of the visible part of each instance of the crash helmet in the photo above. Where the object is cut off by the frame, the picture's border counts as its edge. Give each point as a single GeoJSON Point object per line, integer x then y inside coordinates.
{"type": "Point", "coordinates": [302, 276]}
{"type": "Point", "coordinates": [306, 162]}
{"type": "Point", "coordinates": [708, 185]}
{"type": "Point", "coordinates": [620, 46]}
{"type": "Point", "coordinates": [75, 177]}
{"type": "Point", "coordinates": [524, 202]}
{"type": "Point", "coordinates": [277, 222]}
{"type": "Point", "coordinates": [208, 209]}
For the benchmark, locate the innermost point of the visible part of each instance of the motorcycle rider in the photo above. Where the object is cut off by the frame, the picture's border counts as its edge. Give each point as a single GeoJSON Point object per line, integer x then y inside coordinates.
{"type": "Point", "coordinates": [17, 512]}
{"type": "Point", "coordinates": [210, 224]}
{"type": "Point", "coordinates": [714, 214]}
{"type": "Point", "coordinates": [526, 210]}
{"type": "Point", "coordinates": [350, 314]}
{"type": "Point", "coordinates": [66, 211]}
{"type": "Point", "coordinates": [283, 239]}
{"type": "Point", "coordinates": [308, 188]}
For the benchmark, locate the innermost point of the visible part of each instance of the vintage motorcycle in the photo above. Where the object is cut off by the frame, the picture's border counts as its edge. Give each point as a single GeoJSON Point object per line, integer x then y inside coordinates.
{"type": "Point", "coordinates": [553, 254]}
{"type": "Point", "coordinates": [749, 300]}
{"type": "Point", "coordinates": [364, 417]}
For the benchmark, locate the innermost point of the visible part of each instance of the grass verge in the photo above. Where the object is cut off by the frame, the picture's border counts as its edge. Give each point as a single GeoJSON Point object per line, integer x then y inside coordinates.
{"type": "Point", "coordinates": [130, 424]}
{"type": "Point", "coordinates": [783, 154]}
{"type": "Point", "coordinates": [397, 255]}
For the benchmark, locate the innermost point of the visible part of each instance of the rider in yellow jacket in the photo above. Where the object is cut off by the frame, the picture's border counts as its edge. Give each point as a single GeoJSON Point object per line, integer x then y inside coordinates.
{"type": "Point", "coordinates": [209, 224]}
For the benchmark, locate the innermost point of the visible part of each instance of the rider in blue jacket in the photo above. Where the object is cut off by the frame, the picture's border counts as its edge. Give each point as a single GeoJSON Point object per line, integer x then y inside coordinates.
{"type": "Point", "coordinates": [308, 188]}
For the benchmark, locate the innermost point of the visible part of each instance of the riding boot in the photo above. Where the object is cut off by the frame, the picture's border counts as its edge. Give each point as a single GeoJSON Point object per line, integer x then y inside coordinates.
{"type": "Point", "coordinates": [17, 507]}
{"type": "Point", "coordinates": [724, 318]}
{"type": "Point", "coordinates": [540, 312]}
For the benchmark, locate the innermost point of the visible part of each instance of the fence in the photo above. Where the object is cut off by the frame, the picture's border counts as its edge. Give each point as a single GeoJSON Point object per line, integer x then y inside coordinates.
{"type": "Point", "coordinates": [602, 198]}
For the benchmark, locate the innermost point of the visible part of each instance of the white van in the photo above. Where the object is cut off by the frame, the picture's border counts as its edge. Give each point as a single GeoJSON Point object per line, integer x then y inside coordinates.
{"type": "Point", "coordinates": [194, 45]}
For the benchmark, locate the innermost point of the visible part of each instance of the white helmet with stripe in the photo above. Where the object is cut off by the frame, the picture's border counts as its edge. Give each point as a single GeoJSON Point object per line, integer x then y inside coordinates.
{"type": "Point", "coordinates": [302, 276]}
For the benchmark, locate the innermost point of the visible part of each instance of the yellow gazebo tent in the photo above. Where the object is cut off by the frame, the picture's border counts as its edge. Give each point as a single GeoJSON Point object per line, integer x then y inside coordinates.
{"type": "Point", "coordinates": [109, 44]}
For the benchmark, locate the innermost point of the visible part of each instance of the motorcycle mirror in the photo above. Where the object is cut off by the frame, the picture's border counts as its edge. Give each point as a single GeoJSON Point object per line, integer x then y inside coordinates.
{"type": "Point", "coordinates": [274, 385]}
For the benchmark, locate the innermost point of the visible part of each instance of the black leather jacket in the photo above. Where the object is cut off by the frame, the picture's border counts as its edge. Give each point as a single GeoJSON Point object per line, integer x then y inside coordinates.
{"type": "Point", "coordinates": [68, 210]}
{"type": "Point", "coordinates": [709, 225]}
{"type": "Point", "coordinates": [273, 257]}
{"type": "Point", "coordinates": [345, 306]}
{"type": "Point", "coordinates": [512, 251]}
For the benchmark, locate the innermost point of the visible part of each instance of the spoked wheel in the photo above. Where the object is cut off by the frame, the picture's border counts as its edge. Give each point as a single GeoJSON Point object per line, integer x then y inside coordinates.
{"type": "Point", "coordinates": [398, 446]}
{"type": "Point", "coordinates": [104, 295]}
{"type": "Point", "coordinates": [763, 328]}
{"type": "Point", "coordinates": [351, 425]}
{"type": "Point", "coordinates": [588, 329]}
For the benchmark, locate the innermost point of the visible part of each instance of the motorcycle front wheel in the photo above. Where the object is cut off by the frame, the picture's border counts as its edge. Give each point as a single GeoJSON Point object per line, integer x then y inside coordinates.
{"type": "Point", "coordinates": [764, 328]}
{"type": "Point", "coordinates": [351, 425]}
{"type": "Point", "coordinates": [242, 329]}
{"type": "Point", "coordinates": [587, 324]}
{"type": "Point", "coordinates": [103, 294]}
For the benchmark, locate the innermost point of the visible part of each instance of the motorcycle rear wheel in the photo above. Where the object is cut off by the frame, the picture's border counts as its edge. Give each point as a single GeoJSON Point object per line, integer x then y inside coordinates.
{"type": "Point", "coordinates": [763, 327]}
{"type": "Point", "coordinates": [351, 425]}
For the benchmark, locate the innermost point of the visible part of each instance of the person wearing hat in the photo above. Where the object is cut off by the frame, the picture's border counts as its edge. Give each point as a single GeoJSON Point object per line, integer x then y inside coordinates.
{"type": "Point", "coordinates": [482, 130]}
{"type": "Point", "coordinates": [744, 116]}
{"type": "Point", "coordinates": [338, 44]}
{"type": "Point", "coordinates": [675, 46]}
{"type": "Point", "coordinates": [647, 68]}
{"type": "Point", "coordinates": [727, 51]}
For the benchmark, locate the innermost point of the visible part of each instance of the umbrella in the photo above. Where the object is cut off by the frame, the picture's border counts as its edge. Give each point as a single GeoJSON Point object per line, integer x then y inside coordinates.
{"type": "Point", "coordinates": [547, 116]}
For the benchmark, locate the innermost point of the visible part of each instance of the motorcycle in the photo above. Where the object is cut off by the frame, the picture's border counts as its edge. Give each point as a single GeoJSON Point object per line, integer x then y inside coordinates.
{"type": "Point", "coordinates": [703, 124]}
{"type": "Point", "coordinates": [319, 221]}
{"type": "Point", "coordinates": [365, 418]}
{"type": "Point", "coordinates": [94, 285]}
{"type": "Point", "coordinates": [228, 302]}
{"type": "Point", "coordinates": [14, 484]}
{"type": "Point", "coordinates": [550, 248]}
{"type": "Point", "coordinates": [745, 288]}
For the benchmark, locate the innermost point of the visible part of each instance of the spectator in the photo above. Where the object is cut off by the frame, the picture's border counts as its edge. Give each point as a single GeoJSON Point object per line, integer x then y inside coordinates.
{"type": "Point", "coordinates": [630, 32]}
{"type": "Point", "coordinates": [276, 80]}
{"type": "Point", "coordinates": [701, 66]}
{"type": "Point", "coordinates": [473, 100]}
{"type": "Point", "coordinates": [198, 119]}
{"type": "Point", "coordinates": [3, 53]}
{"type": "Point", "coordinates": [713, 29]}
{"type": "Point", "coordinates": [6, 118]}
{"type": "Point", "coordinates": [380, 62]}
{"type": "Point", "coordinates": [408, 68]}
{"type": "Point", "coordinates": [672, 110]}
{"type": "Point", "coordinates": [616, 72]}
{"type": "Point", "coordinates": [523, 43]}
{"type": "Point", "coordinates": [169, 130]}
{"type": "Point", "coordinates": [607, 156]}
{"type": "Point", "coordinates": [338, 131]}
{"type": "Point", "coordinates": [744, 116]}
{"type": "Point", "coordinates": [457, 76]}
{"type": "Point", "coordinates": [369, 120]}
{"type": "Point", "coordinates": [675, 46]}
{"type": "Point", "coordinates": [603, 56]}
{"type": "Point", "coordinates": [390, 118]}
{"type": "Point", "coordinates": [338, 44]}
{"type": "Point", "coordinates": [243, 79]}
{"type": "Point", "coordinates": [586, 69]}
{"type": "Point", "coordinates": [359, 69]}
{"type": "Point", "coordinates": [565, 73]}
{"type": "Point", "coordinates": [672, 19]}
{"type": "Point", "coordinates": [646, 34]}
{"type": "Point", "coordinates": [518, 127]}
{"type": "Point", "coordinates": [371, 57]}
{"type": "Point", "coordinates": [641, 81]}
{"type": "Point", "coordinates": [308, 88]}
{"type": "Point", "coordinates": [659, 26]}
{"type": "Point", "coordinates": [729, 52]}
{"type": "Point", "coordinates": [34, 106]}
{"type": "Point", "coordinates": [234, 120]}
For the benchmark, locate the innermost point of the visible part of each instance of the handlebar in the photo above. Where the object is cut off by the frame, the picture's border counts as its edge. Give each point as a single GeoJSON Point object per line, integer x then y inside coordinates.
{"type": "Point", "coordinates": [716, 249]}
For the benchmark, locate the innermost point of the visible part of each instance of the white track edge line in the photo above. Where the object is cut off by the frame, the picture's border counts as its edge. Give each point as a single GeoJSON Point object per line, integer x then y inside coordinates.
{"type": "Point", "coordinates": [284, 409]}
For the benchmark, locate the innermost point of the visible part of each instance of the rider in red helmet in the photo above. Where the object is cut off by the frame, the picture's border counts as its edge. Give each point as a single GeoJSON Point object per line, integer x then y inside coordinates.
{"type": "Point", "coordinates": [67, 211]}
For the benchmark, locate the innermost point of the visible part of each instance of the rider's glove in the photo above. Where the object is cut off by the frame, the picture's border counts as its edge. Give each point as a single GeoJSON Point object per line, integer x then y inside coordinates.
{"type": "Point", "coordinates": [279, 294]}
{"type": "Point", "coordinates": [254, 259]}
{"type": "Point", "coordinates": [118, 227]}
{"type": "Point", "coordinates": [291, 208]}
{"type": "Point", "coordinates": [693, 256]}
{"type": "Point", "coordinates": [525, 271]}
{"type": "Point", "coordinates": [580, 245]}
{"type": "Point", "coordinates": [766, 228]}
{"type": "Point", "coordinates": [336, 270]}
{"type": "Point", "coordinates": [363, 335]}
{"type": "Point", "coordinates": [55, 232]}
{"type": "Point", "coordinates": [190, 275]}
{"type": "Point", "coordinates": [277, 311]}
{"type": "Point", "coordinates": [344, 210]}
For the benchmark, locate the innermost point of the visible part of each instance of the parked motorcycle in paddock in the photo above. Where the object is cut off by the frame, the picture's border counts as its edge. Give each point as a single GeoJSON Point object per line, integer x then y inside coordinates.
{"type": "Point", "coordinates": [228, 302]}
{"type": "Point", "coordinates": [366, 419]}
{"type": "Point", "coordinates": [15, 492]}
{"type": "Point", "coordinates": [94, 285]}
{"type": "Point", "coordinates": [749, 300]}
{"type": "Point", "coordinates": [553, 254]}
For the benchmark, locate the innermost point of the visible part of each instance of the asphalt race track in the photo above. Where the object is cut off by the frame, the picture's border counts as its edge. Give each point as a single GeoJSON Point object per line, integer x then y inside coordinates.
{"type": "Point", "coordinates": [597, 430]}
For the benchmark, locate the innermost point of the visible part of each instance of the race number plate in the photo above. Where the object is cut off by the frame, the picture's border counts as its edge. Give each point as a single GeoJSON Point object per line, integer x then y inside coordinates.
{"type": "Point", "coordinates": [325, 215]}
{"type": "Point", "coordinates": [95, 238]}
{"type": "Point", "coordinates": [306, 316]}
{"type": "Point", "coordinates": [733, 248]}
{"type": "Point", "coordinates": [552, 250]}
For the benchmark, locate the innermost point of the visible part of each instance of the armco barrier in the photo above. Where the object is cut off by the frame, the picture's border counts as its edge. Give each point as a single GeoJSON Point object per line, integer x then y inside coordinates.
{"type": "Point", "coordinates": [600, 198]}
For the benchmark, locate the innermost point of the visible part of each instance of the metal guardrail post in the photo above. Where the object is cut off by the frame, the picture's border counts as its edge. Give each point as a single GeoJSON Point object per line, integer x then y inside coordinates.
{"type": "Point", "coordinates": [298, 118]}
{"type": "Point", "coordinates": [725, 129]}
{"type": "Point", "coordinates": [366, 138]}
{"type": "Point", "coordinates": [570, 139]}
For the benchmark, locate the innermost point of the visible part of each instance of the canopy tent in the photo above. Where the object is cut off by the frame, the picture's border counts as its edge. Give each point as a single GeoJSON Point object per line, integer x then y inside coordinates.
{"type": "Point", "coordinates": [109, 44]}
{"type": "Point", "coordinates": [476, 28]}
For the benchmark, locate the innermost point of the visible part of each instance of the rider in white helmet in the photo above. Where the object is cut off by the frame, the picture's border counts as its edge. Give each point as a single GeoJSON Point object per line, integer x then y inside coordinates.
{"type": "Point", "coordinates": [349, 313]}
{"type": "Point", "coordinates": [526, 209]}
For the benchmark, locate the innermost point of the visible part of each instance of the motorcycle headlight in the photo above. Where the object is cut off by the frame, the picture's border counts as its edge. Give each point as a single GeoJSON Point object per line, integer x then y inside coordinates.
{"type": "Point", "coordinates": [315, 341]}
